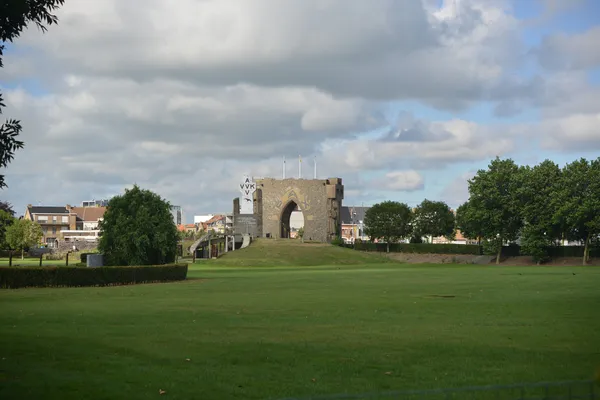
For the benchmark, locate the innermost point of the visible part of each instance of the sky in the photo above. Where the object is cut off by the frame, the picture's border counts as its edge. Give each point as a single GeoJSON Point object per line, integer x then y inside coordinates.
{"type": "Point", "coordinates": [402, 99]}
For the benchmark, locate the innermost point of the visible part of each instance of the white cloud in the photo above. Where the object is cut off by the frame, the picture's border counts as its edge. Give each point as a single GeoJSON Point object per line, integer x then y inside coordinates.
{"type": "Point", "coordinates": [402, 181]}
{"type": "Point", "coordinates": [183, 97]}
{"type": "Point", "coordinates": [575, 51]}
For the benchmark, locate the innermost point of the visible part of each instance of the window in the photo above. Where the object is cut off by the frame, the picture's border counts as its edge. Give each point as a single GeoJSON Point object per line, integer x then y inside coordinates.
{"type": "Point", "coordinates": [42, 218]}
{"type": "Point", "coordinates": [65, 219]}
{"type": "Point", "coordinates": [54, 218]}
{"type": "Point", "coordinates": [64, 228]}
{"type": "Point", "coordinates": [54, 230]}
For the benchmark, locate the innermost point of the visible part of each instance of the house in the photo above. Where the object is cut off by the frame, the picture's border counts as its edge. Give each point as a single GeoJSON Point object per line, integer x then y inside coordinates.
{"type": "Point", "coordinates": [219, 224]}
{"type": "Point", "coordinates": [188, 228]}
{"type": "Point", "coordinates": [53, 220]}
{"type": "Point", "coordinates": [353, 223]}
{"type": "Point", "coordinates": [87, 223]}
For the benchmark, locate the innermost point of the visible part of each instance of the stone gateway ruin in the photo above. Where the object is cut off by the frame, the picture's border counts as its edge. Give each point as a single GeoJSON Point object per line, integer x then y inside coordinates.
{"type": "Point", "coordinates": [274, 200]}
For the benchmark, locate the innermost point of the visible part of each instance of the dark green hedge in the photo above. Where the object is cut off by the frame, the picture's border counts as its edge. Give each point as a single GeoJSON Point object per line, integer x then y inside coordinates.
{"type": "Point", "coordinates": [13, 277]}
{"type": "Point", "coordinates": [429, 248]}
{"type": "Point", "coordinates": [421, 248]}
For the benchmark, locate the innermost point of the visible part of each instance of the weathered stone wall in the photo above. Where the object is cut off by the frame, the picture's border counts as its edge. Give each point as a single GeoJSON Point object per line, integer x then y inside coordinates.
{"type": "Point", "coordinates": [82, 245]}
{"type": "Point", "coordinates": [243, 223]}
{"type": "Point", "coordinates": [320, 201]}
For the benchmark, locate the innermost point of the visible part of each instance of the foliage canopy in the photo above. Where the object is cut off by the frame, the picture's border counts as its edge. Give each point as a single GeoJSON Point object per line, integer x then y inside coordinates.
{"type": "Point", "coordinates": [138, 229]}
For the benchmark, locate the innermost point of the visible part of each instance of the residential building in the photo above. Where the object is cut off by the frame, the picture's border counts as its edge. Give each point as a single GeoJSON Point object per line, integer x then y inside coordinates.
{"type": "Point", "coordinates": [219, 223]}
{"type": "Point", "coordinates": [95, 203]}
{"type": "Point", "coordinates": [53, 220]}
{"type": "Point", "coordinates": [353, 223]}
{"type": "Point", "coordinates": [86, 227]}
{"type": "Point", "coordinates": [66, 223]}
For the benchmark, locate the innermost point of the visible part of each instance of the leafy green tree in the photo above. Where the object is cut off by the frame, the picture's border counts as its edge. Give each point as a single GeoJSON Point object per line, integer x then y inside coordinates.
{"type": "Point", "coordinates": [577, 200]}
{"type": "Point", "coordinates": [537, 190]}
{"type": "Point", "coordinates": [22, 234]}
{"type": "Point", "coordinates": [494, 199]}
{"type": "Point", "coordinates": [435, 219]}
{"type": "Point", "coordinates": [388, 220]}
{"type": "Point", "coordinates": [138, 229]}
{"type": "Point", "coordinates": [7, 207]}
{"type": "Point", "coordinates": [301, 234]}
{"type": "Point", "coordinates": [6, 220]}
{"type": "Point", "coordinates": [15, 15]}
{"type": "Point", "coordinates": [468, 221]}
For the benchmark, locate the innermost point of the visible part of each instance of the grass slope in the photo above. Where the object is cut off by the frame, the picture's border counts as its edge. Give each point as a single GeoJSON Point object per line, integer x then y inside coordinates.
{"type": "Point", "coordinates": [278, 253]}
{"type": "Point", "coordinates": [277, 332]}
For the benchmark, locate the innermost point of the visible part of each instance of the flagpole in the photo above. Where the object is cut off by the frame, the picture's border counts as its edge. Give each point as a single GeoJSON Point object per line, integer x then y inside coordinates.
{"type": "Point", "coordinates": [315, 177]}
{"type": "Point", "coordinates": [299, 167]}
{"type": "Point", "coordinates": [283, 167]}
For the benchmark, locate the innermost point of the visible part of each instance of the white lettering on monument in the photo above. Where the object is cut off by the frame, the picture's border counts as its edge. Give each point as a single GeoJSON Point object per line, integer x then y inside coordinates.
{"type": "Point", "coordinates": [247, 189]}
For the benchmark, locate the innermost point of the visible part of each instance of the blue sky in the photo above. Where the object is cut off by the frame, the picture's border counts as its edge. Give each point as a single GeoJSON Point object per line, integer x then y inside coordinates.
{"type": "Point", "coordinates": [187, 103]}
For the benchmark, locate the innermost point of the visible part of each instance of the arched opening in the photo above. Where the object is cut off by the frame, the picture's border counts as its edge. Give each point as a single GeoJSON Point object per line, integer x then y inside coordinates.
{"type": "Point", "coordinates": [292, 220]}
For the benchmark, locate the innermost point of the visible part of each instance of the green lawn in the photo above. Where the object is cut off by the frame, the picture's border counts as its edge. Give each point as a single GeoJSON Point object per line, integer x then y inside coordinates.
{"type": "Point", "coordinates": [286, 253]}
{"type": "Point", "coordinates": [241, 333]}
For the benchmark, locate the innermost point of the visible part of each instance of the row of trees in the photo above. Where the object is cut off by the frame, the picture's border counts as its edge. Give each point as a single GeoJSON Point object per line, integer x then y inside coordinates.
{"type": "Point", "coordinates": [541, 205]}
{"type": "Point", "coordinates": [392, 221]}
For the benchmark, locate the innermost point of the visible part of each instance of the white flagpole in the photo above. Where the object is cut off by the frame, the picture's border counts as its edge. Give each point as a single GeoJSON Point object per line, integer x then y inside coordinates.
{"type": "Point", "coordinates": [299, 167]}
{"type": "Point", "coordinates": [283, 167]}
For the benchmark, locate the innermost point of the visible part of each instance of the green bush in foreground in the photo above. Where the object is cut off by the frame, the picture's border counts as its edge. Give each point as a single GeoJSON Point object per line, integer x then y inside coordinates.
{"type": "Point", "coordinates": [13, 278]}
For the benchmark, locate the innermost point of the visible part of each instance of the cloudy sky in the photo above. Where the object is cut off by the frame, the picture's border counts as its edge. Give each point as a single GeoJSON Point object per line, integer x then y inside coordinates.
{"type": "Point", "coordinates": [403, 99]}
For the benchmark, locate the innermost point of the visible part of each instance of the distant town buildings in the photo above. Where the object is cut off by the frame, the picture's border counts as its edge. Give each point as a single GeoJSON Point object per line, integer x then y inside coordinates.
{"type": "Point", "coordinates": [177, 214]}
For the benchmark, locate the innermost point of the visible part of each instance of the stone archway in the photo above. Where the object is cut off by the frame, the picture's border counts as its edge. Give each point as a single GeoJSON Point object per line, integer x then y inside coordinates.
{"type": "Point", "coordinates": [284, 220]}
{"type": "Point", "coordinates": [289, 228]}
{"type": "Point", "coordinates": [319, 201]}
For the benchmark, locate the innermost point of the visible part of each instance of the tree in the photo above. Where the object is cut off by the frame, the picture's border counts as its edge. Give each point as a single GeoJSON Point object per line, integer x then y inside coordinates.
{"type": "Point", "coordinates": [577, 202]}
{"type": "Point", "coordinates": [388, 220]}
{"type": "Point", "coordinates": [16, 14]}
{"type": "Point", "coordinates": [468, 221]}
{"type": "Point", "coordinates": [22, 234]}
{"type": "Point", "coordinates": [138, 229]}
{"type": "Point", "coordinates": [494, 199]}
{"type": "Point", "coordinates": [7, 207]}
{"type": "Point", "coordinates": [433, 218]}
{"type": "Point", "coordinates": [6, 220]}
{"type": "Point", "coordinates": [301, 234]}
{"type": "Point", "coordinates": [536, 196]}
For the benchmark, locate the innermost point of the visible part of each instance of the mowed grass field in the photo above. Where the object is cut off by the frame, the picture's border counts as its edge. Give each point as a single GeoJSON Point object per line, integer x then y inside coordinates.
{"type": "Point", "coordinates": [233, 332]}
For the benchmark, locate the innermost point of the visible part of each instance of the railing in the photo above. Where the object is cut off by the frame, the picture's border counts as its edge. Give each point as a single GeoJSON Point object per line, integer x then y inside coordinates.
{"type": "Point", "coordinates": [567, 390]}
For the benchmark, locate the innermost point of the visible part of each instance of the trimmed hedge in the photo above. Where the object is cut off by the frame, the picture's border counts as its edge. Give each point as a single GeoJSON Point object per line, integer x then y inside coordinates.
{"type": "Point", "coordinates": [421, 248]}
{"type": "Point", "coordinates": [429, 248]}
{"type": "Point", "coordinates": [12, 278]}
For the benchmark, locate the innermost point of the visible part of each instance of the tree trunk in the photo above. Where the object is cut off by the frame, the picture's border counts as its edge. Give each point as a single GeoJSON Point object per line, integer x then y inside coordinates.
{"type": "Point", "coordinates": [387, 245]}
{"type": "Point", "coordinates": [498, 255]}
{"type": "Point", "coordinates": [586, 250]}
{"type": "Point", "coordinates": [22, 254]}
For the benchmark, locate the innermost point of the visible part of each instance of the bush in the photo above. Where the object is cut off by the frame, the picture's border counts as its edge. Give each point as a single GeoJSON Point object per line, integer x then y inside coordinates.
{"type": "Point", "coordinates": [77, 276]}
{"type": "Point", "coordinates": [138, 229]}
{"type": "Point", "coordinates": [338, 241]}
{"type": "Point", "coordinates": [421, 248]}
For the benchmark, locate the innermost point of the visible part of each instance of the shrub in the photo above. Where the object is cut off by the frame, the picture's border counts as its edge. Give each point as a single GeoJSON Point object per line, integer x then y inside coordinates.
{"type": "Point", "coordinates": [77, 276]}
{"type": "Point", "coordinates": [338, 241]}
{"type": "Point", "coordinates": [138, 229]}
{"type": "Point", "coordinates": [422, 248]}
